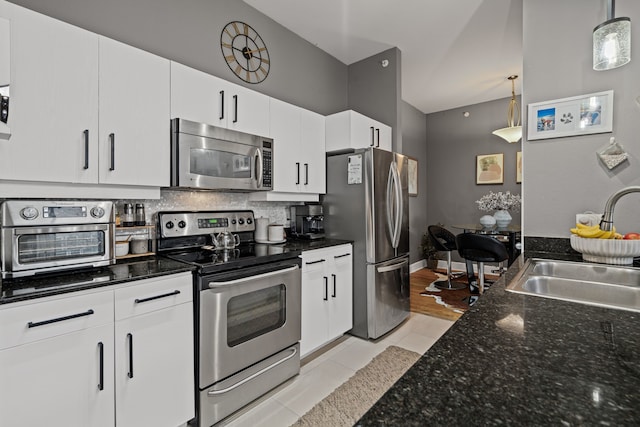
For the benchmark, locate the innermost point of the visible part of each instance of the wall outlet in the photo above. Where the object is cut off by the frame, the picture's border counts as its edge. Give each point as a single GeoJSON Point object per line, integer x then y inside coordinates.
{"type": "Point", "coordinates": [588, 218]}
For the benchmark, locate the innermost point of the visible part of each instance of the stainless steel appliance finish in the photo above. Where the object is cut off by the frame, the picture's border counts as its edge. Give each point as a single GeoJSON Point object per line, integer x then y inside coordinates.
{"type": "Point", "coordinates": [40, 236]}
{"type": "Point", "coordinates": [367, 202]}
{"type": "Point", "coordinates": [212, 158]}
{"type": "Point", "coordinates": [307, 221]}
{"type": "Point", "coordinates": [247, 304]}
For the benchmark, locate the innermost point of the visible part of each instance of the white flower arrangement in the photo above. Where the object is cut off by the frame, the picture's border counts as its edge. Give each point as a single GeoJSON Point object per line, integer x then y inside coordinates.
{"type": "Point", "coordinates": [498, 201]}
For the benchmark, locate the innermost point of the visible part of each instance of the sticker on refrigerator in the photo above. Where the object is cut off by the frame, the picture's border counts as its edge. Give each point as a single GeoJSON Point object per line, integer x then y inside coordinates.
{"type": "Point", "coordinates": [354, 169]}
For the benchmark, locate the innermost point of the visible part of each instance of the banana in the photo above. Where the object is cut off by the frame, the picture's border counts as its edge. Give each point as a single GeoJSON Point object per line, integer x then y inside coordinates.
{"type": "Point", "coordinates": [592, 233]}
{"type": "Point", "coordinates": [586, 227]}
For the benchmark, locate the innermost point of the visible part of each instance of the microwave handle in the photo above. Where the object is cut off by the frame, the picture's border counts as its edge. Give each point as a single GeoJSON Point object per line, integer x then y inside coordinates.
{"type": "Point", "coordinates": [259, 168]}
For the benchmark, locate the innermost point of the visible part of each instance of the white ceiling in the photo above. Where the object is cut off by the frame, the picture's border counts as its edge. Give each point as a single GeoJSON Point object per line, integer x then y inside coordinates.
{"type": "Point", "coordinates": [454, 52]}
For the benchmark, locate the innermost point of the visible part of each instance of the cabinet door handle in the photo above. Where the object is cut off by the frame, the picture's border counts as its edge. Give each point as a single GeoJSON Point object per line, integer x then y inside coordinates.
{"type": "Point", "coordinates": [306, 174]}
{"type": "Point", "coordinates": [86, 149]}
{"type": "Point", "coordinates": [341, 256]}
{"type": "Point", "coordinates": [59, 319]}
{"type": "Point", "coordinates": [378, 138]}
{"type": "Point", "coordinates": [326, 288]}
{"type": "Point", "coordinates": [130, 339]}
{"type": "Point", "coordinates": [315, 262]}
{"type": "Point", "coordinates": [112, 139]}
{"type": "Point", "coordinates": [333, 295]}
{"type": "Point", "coordinates": [372, 136]}
{"type": "Point", "coordinates": [221, 104]}
{"type": "Point", "coordinates": [101, 374]}
{"type": "Point", "coordinates": [297, 173]}
{"type": "Point", "coordinates": [169, 294]}
{"type": "Point", "coordinates": [235, 108]}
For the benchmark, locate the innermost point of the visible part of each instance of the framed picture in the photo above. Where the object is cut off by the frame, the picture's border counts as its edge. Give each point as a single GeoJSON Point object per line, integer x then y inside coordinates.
{"type": "Point", "coordinates": [413, 176]}
{"type": "Point", "coordinates": [489, 168]}
{"type": "Point", "coordinates": [519, 167]}
{"type": "Point", "coordinates": [578, 115]}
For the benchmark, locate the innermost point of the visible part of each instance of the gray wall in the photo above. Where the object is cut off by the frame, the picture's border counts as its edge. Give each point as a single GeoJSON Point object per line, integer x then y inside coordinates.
{"type": "Point", "coordinates": [189, 32]}
{"type": "Point", "coordinates": [453, 142]}
{"type": "Point", "coordinates": [563, 176]}
{"type": "Point", "coordinates": [414, 136]}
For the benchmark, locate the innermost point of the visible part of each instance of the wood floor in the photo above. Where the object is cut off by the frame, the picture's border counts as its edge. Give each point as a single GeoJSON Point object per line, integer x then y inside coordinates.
{"type": "Point", "coordinates": [444, 304]}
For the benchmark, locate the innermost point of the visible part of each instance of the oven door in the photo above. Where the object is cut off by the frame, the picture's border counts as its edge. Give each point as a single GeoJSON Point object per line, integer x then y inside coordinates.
{"type": "Point", "coordinates": [218, 164]}
{"type": "Point", "coordinates": [247, 316]}
{"type": "Point", "coordinates": [31, 250]}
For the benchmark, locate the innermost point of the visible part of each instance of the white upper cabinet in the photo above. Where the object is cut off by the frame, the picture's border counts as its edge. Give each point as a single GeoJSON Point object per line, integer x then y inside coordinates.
{"type": "Point", "coordinates": [70, 90]}
{"type": "Point", "coordinates": [203, 98]}
{"type": "Point", "coordinates": [54, 100]}
{"type": "Point", "coordinates": [299, 152]}
{"type": "Point", "coordinates": [350, 129]}
{"type": "Point", "coordinates": [134, 116]}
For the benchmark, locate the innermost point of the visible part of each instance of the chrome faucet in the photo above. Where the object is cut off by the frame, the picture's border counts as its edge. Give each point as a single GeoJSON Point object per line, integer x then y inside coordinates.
{"type": "Point", "coordinates": [607, 218]}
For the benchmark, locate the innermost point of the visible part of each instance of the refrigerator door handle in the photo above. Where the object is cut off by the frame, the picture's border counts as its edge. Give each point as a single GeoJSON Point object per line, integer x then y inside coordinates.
{"type": "Point", "coordinates": [394, 207]}
{"type": "Point", "coordinates": [392, 267]}
{"type": "Point", "coordinates": [390, 204]}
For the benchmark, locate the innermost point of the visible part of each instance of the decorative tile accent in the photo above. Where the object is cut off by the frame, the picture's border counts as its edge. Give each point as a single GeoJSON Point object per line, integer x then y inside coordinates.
{"type": "Point", "coordinates": [277, 212]}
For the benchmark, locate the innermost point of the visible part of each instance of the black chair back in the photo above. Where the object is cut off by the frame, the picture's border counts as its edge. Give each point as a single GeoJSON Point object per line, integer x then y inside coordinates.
{"type": "Point", "coordinates": [480, 248]}
{"type": "Point", "coordinates": [441, 238]}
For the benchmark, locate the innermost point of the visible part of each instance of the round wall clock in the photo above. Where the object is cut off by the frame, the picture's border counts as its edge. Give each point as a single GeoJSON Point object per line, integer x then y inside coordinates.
{"type": "Point", "coordinates": [245, 52]}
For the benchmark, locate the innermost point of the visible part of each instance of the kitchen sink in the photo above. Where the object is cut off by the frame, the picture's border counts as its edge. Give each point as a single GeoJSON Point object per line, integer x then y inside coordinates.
{"type": "Point", "coordinates": [607, 286]}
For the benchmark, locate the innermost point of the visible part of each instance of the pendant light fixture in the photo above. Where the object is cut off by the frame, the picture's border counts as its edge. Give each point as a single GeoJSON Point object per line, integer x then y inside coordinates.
{"type": "Point", "coordinates": [611, 41]}
{"type": "Point", "coordinates": [513, 132]}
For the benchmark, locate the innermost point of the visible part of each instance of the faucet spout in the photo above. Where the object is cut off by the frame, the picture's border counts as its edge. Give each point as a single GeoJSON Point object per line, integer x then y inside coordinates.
{"type": "Point", "coordinates": [606, 223]}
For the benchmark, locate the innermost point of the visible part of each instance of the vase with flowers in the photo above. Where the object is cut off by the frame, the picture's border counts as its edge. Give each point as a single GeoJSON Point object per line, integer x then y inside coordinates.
{"type": "Point", "coordinates": [501, 203]}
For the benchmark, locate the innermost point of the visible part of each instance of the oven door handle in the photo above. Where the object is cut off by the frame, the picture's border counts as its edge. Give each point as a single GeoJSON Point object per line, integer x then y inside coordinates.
{"type": "Point", "coordinates": [251, 377]}
{"type": "Point", "coordinates": [246, 279]}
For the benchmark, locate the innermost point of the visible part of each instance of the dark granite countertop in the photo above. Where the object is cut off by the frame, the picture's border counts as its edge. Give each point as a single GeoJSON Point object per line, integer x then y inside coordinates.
{"type": "Point", "coordinates": [126, 270]}
{"type": "Point", "coordinates": [129, 270]}
{"type": "Point", "coordinates": [523, 360]}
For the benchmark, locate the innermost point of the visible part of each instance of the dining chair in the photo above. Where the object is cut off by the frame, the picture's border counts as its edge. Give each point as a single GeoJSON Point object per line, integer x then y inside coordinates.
{"type": "Point", "coordinates": [481, 248]}
{"type": "Point", "coordinates": [445, 241]}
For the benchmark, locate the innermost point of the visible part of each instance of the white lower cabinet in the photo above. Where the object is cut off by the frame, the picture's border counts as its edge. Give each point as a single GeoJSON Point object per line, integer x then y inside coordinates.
{"type": "Point", "coordinates": [154, 376]}
{"type": "Point", "coordinates": [64, 361]}
{"type": "Point", "coordinates": [327, 296]}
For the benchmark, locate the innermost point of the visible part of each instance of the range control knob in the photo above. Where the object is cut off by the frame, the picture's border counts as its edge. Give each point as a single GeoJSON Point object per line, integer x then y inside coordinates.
{"type": "Point", "coordinates": [29, 213]}
{"type": "Point", "coordinates": [169, 225]}
{"type": "Point", "coordinates": [182, 224]}
{"type": "Point", "coordinates": [233, 221]}
{"type": "Point", "coordinates": [97, 212]}
{"type": "Point", "coordinates": [249, 221]}
{"type": "Point", "coordinates": [240, 221]}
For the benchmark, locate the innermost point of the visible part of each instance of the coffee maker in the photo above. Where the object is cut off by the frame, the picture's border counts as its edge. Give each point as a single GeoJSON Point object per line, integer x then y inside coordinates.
{"type": "Point", "coordinates": [307, 221]}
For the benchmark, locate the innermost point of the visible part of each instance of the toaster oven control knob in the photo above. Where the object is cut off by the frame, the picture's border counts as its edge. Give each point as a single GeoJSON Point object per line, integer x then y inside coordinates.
{"type": "Point", "coordinates": [29, 213]}
{"type": "Point", "coordinates": [169, 225]}
{"type": "Point", "coordinates": [97, 212]}
{"type": "Point", "coordinates": [182, 224]}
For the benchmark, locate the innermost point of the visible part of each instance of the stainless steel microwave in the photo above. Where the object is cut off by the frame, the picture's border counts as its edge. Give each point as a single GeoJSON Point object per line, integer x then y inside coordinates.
{"type": "Point", "coordinates": [212, 158]}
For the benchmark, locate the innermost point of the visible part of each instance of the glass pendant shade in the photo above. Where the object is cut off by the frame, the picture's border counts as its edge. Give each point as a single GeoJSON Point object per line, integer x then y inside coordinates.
{"type": "Point", "coordinates": [612, 44]}
{"type": "Point", "coordinates": [510, 134]}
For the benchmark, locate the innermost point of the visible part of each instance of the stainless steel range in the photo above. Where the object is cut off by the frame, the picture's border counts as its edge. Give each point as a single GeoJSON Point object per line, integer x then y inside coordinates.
{"type": "Point", "coordinates": [247, 307]}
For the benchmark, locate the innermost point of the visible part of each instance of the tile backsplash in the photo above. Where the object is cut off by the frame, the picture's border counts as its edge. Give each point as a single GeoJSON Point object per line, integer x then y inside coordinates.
{"type": "Point", "coordinates": [171, 200]}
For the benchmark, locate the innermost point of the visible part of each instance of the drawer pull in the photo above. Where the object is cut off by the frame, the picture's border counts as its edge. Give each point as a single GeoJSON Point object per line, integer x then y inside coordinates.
{"type": "Point", "coordinates": [341, 256]}
{"type": "Point", "coordinates": [170, 294]}
{"type": "Point", "coordinates": [314, 262]}
{"type": "Point", "coordinates": [59, 319]}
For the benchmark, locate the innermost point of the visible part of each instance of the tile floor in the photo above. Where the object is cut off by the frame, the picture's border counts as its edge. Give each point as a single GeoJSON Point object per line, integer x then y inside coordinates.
{"type": "Point", "coordinates": [326, 369]}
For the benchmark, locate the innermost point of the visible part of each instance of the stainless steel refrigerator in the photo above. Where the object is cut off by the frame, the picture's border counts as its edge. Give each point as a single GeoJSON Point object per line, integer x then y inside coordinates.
{"type": "Point", "coordinates": [367, 202]}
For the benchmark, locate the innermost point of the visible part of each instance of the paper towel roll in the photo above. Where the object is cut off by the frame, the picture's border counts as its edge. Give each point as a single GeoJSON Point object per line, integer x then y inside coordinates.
{"type": "Point", "coordinates": [262, 229]}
